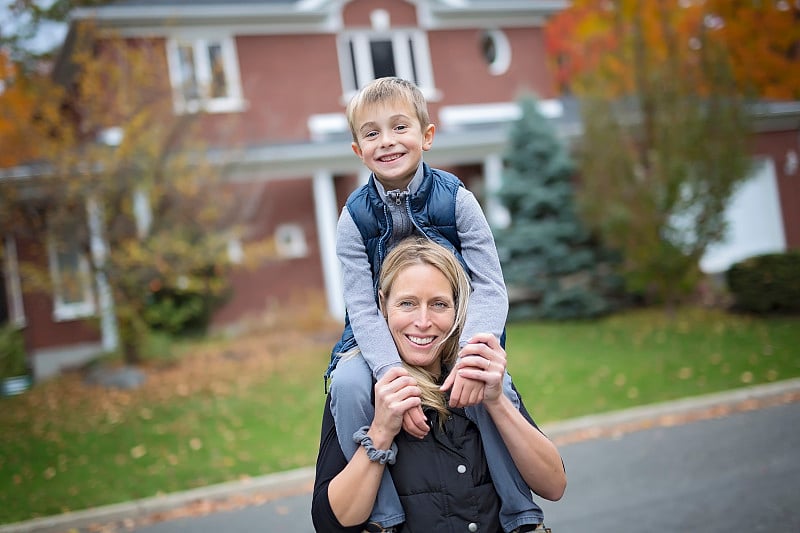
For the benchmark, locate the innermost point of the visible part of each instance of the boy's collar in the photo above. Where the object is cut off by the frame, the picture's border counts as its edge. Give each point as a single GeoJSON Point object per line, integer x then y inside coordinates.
{"type": "Point", "coordinates": [413, 185]}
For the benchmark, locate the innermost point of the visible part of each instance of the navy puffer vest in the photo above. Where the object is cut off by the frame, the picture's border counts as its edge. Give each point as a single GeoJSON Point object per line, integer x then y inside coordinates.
{"type": "Point", "coordinates": [432, 209]}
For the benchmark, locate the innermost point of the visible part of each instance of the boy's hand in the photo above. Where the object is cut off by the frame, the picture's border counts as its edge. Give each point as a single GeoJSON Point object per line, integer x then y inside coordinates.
{"type": "Point", "coordinates": [465, 391]}
{"type": "Point", "coordinates": [415, 423]}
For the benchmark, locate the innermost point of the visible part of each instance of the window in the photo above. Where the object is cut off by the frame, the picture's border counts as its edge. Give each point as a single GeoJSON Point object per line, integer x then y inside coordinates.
{"type": "Point", "coordinates": [205, 75]}
{"type": "Point", "coordinates": [496, 51]}
{"type": "Point", "coordinates": [290, 241]}
{"type": "Point", "coordinates": [73, 296]}
{"type": "Point", "coordinates": [365, 56]}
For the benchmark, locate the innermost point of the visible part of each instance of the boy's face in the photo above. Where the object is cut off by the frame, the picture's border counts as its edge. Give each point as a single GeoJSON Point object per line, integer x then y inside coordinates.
{"type": "Point", "coordinates": [391, 141]}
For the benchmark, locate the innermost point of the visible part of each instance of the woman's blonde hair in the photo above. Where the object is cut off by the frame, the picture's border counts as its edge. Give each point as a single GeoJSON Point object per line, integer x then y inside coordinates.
{"type": "Point", "coordinates": [389, 89]}
{"type": "Point", "coordinates": [422, 251]}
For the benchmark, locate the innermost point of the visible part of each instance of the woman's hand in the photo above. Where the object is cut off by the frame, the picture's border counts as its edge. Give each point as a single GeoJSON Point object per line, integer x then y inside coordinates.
{"type": "Point", "coordinates": [483, 360]}
{"type": "Point", "coordinates": [396, 393]}
{"type": "Point", "coordinates": [353, 491]}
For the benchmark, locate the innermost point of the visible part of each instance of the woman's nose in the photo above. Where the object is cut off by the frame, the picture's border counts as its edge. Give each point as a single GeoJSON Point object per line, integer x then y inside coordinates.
{"type": "Point", "coordinates": [423, 318]}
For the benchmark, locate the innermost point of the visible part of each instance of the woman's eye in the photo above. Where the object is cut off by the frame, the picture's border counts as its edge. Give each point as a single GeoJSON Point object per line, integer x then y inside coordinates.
{"type": "Point", "coordinates": [406, 304]}
{"type": "Point", "coordinates": [441, 305]}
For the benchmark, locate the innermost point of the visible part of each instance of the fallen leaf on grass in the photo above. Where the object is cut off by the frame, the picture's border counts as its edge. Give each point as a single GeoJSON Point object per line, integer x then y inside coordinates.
{"type": "Point", "coordinates": [139, 451]}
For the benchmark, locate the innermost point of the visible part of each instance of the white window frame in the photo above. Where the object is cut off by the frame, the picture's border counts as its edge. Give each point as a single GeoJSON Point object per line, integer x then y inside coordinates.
{"type": "Point", "coordinates": [63, 310]}
{"type": "Point", "coordinates": [232, 102]}
{"type": "Point", "coordinates": [405, 42]}
{"type": "Point", "coordinates": [16, 310]}
{"type": "Point", "coordinates": [502, 52]}
{"type": "Point", "coordinates": [290, 241]}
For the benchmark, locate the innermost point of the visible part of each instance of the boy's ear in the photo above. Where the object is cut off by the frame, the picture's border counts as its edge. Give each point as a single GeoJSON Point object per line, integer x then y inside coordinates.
{"type": "Point", "coordinates": [427, 137]}
{"type": "Point", "coordinates": [357, 150]}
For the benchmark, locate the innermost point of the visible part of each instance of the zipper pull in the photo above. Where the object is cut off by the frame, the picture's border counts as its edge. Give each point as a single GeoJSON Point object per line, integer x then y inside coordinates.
{"type": "Point", "coordinates": [396, 196]}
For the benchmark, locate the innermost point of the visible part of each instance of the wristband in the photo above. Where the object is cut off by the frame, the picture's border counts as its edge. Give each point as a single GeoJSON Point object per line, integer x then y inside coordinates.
{"type": "Point", "coordinates": [373, 454]}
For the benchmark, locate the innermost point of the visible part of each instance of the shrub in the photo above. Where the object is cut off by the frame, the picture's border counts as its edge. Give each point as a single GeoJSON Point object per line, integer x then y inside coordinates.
{"type": "Point", "coordinates": [185, 304]}
{"type": "Point", "coordinates": [177, 312]}
{"type": "Point", "coordinates": [767, 283]}
{"type": "Point", "coordinates": [13, 360]}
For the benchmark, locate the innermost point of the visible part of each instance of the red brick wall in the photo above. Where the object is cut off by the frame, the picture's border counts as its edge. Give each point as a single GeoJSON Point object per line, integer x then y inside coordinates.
{"type": "Point", "coordinates": [356, 14]}
{"type": "Point", "coordinates": [462, 74]}
{"type": "Point", "coordinates": [276, 280]}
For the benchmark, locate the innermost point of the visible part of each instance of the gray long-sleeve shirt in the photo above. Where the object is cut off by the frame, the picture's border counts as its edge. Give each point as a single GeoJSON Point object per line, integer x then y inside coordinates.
{"type": "Point", "coordinates": [488, 306]}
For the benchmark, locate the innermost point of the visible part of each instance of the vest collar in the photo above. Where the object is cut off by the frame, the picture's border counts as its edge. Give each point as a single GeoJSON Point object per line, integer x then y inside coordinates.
{"type": "Point", "coordinates": [412, 188]}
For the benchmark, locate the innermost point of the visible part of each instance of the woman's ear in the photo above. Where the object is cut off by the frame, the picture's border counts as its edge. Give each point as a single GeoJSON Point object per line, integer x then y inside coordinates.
{"type": "Point", "coordinates": [380, 303]}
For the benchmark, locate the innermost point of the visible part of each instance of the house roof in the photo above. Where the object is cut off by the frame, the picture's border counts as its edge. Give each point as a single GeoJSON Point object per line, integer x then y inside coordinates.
{"type": "Point", "coordinates": [142, 16]}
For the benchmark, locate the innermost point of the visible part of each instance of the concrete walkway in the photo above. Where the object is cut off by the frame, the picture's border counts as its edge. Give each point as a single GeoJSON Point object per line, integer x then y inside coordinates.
{"type": "Point", "coordinates": [256, 491]}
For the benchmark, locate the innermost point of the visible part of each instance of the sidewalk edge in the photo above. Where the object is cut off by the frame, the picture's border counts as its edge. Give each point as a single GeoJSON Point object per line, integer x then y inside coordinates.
{"type": "Point", "coordinates": [601, 424]}
{"type": "Point", "coordinates": [592, 426]}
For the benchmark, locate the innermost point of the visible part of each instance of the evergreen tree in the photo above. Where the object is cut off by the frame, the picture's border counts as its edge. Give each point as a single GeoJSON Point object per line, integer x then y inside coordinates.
{"type": "Point", "coordinates": [551, 264]}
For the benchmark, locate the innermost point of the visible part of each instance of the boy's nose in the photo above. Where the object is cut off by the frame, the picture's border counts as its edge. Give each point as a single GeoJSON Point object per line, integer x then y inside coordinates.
{"type": "Point", "coordinates": [387, 138]}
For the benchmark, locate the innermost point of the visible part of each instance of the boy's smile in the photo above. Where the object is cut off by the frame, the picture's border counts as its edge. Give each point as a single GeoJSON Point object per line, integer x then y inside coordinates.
{"type": "Point", "coordinates": [391, 141]}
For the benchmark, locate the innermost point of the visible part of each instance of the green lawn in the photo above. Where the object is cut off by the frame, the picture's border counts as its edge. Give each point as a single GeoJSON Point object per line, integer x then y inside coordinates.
{"type": "Point", "coordinates": [230, 410]}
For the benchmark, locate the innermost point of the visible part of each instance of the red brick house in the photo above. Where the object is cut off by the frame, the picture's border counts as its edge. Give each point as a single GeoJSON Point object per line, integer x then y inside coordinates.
{"type": "Point", "coordinates": [282, 71]}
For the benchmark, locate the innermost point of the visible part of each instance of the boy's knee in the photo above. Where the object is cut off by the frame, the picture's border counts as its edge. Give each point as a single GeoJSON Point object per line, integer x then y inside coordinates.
{"type": "Point", "coordinates": [351, 379]}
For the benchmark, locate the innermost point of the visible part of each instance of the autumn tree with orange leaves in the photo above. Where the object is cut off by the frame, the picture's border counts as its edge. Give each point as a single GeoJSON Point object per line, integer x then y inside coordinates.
{"type": "Point", "coordinates": [27, 109]}
{"type": "Point", "coordinates": [665, 132]}
{"type": "Point", "coordinates": [112, 173]}
{"type": "Point", "coordinates": [761, 39]}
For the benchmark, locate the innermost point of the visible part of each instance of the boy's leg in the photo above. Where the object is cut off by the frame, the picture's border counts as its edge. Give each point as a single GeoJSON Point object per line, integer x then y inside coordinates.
{"type": "Point", "coordinates": [352, 408]}
{"type": "Point", "coordinates": [517, 507]}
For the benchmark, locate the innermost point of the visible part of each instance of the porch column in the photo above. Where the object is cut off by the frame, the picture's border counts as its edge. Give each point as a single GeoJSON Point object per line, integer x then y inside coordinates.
{"type": "Point", "coordinates": [496, 212]}
{"type": "Point", "coordinates": [10, 272]}
{"type": "Point", "coordinates": [325, 209]}
{"type": "Point", "coordinates": [108, 320]}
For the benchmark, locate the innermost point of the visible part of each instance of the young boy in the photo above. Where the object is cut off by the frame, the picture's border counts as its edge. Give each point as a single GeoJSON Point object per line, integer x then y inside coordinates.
{"type": "Point", "coordinates": [391, 128]}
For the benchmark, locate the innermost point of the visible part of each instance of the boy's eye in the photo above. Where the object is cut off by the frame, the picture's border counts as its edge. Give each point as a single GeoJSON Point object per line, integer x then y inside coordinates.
{"type": "Point", "coordinates": [370, 134]}
{"type": "Point", "coordinates": [401, 127]}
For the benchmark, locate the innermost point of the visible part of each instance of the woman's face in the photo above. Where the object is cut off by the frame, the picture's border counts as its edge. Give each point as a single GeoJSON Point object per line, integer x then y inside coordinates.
{"type": "Point", "coordinates": [420, 312]}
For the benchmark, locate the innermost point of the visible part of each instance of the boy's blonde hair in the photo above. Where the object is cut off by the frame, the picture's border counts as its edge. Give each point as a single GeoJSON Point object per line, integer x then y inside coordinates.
{"type": "Point", "coordinates": [388, 90]}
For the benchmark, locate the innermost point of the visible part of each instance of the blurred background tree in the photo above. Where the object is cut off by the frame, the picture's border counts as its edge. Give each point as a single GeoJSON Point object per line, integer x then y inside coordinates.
{"type": "Point", "coordinates": [120, 179]}
{"type": "Point", "coordinates": [665, 133]}
{"type": "Point", "coordinates": [760, 38]}
{"type": "Point", "coordinates": [32, 31]}
{"type": "Point", "coordinates": [552, 266]}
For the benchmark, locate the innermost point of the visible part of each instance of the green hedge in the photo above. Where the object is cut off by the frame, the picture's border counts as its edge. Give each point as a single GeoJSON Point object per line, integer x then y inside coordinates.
{"type": "Point", "coordinates": [767, 283]}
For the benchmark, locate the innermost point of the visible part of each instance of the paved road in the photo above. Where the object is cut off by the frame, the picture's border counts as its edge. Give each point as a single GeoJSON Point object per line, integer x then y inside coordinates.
{"type": "Point", "coordinates": [737, 473]}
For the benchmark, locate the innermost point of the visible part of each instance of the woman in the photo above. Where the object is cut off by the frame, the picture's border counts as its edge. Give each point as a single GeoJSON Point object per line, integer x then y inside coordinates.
{"type": "Point", "coordinates": [443, 479]}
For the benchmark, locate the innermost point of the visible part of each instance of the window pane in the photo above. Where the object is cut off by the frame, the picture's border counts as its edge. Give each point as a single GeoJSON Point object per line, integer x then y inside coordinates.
{"type": "Point", "coordinates": [188, 73]}
{"type": "Point", "coordinates": [382, 58]}
{"type": "Point", "coordinates": [71, 278]}
{"type": "Point", "coordinates": [219, 85]}
{"type": "Point", "coordinates": [415, 79]}
{"type": "Point", "coordinates": [356, 84]}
